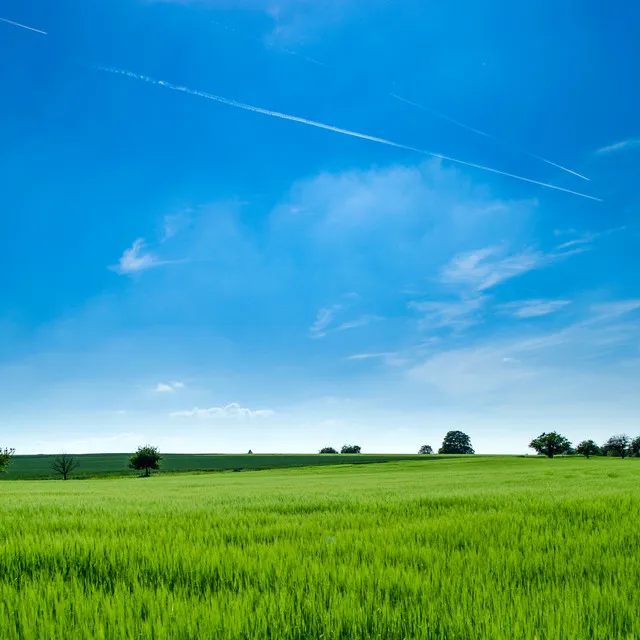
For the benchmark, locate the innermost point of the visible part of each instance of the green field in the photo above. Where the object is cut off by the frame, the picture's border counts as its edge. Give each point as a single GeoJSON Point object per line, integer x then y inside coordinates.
{"type": "Point", "coordinates": [38, 467]}
{"type": "Point", "coordinates": [462, 548]}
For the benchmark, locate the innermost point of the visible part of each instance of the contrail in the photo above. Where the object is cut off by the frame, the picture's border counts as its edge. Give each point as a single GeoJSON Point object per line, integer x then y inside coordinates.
{"type": "Point", "coordinates": [328, 127]}
{"type": "Point", "coordinates": [483, 133]}
{"type": "Point", "coordinates": [23, 26]}
{"type": "Point", "coordinates": [438, 114]}
{"type": "Point", "coordinates": [290, 52]}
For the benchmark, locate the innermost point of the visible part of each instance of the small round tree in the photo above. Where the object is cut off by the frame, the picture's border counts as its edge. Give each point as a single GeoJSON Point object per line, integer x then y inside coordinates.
{"type": "Point", "coordinates": [635, 447]}
{"type": "Point", "coordinates": [456, 442]}
{"type": "Point", "coordinates": [425, 449]}
{"type": "Point", "coordinates": [550, 444]}
{"type": "Point", "coordinates": [145, 459]}
{"type": "Point", "coordinates": [588, 448]}
{"type": "Point", "coordinates": [5, 458]}
{"type": "Point", "coordinates": [328, 450]}
{"type": "Point", "coordinates": [351, 448]}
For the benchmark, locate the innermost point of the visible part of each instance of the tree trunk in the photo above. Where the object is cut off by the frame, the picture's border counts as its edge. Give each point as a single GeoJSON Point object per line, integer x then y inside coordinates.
{"type": "Point", "coordinates": [147, 472]}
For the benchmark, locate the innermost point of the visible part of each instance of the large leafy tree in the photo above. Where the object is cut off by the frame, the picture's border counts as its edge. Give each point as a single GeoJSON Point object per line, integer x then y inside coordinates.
{"type": "Point", "coordinates": [456, 442]}
{"type": "Point", "coordinates": [618, 445]}
{"type": "Point", "coordinates": [145, 459]}
{"type": "Point", "coordinates": [588, 448]}
{"type": "Point", "coordinates": [550, 444]}
{"type": "Point", "coordinates": [5, 458]}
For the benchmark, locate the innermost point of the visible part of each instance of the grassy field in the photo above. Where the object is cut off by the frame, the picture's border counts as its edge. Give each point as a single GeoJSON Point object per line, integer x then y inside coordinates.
{"type": "Point", "coordinates": [116, 464]}
{"type": "Point", "coordinates": [456, 549]}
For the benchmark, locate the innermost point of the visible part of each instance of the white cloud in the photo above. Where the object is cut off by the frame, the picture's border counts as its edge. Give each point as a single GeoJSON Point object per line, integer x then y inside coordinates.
{"type": "Point", "coordinates": [457, 315]}
{"type": "Point", "coordinates": [324, 318]}
{"type": "Point", "coordinates": [170, 387]}
{"type": "Point", "coordinates": [135, 259]}
{"type": "Point", "coordinates": [485, 268]}
{"type": "Point", "coordinates": [363, 321]}
{"type": "Point", "coordinates": [624, 145]}
{"type": "Point", "coordinates": [533, 308]}
{"type": "Point", "coordinates": [608, 310]}
{"type": "Point", "coordinates": [233, 410]}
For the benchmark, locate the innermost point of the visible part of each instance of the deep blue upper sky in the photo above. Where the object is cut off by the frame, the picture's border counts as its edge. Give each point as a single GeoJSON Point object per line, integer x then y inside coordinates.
{"type": "Point", "coordinates": [213, 279]}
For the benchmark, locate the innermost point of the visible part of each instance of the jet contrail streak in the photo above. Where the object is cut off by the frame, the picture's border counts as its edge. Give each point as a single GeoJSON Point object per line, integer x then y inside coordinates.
{"type": "Point", "coordinates": [438, 114]}
{"type": "Point", "coordinates": [262, 43]}
{"type": "Point", "coordinates": [483, 133]}
{"type": "Point", "coordinates": [23, 26]}
{"type": "Point", "coordinates": [328, 127]}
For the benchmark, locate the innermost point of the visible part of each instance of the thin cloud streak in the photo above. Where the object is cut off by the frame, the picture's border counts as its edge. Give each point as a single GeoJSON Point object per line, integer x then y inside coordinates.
{"type": "Point", "coordinates": [483, 133]}
{"type": "Point", "coordinates": [23, 26]}
{"type": "Point", "coordinates": [438, 114]}
{"type": "Point", "coordinates": [290, 52]}
{"type": "Point", "coordinates": [327, 127]}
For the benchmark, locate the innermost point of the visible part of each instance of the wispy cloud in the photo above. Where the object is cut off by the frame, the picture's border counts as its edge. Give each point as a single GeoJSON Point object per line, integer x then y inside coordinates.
{"type": "Point", "coordinates": [485, 268]}
{"type": "Point", "coordinates": [532, 308]}
{"type": "Point", "coordinates": [457, 315]}
{"type": "Point", "coordinates": [324, 318]}
{"type": "Point", "coordinates": [135, 259]}
{"type": "Point", "coordinates": [233, 410]}
{"type": "Point", "coordinates": [588, 238]}
{"type": "Point", "coordinates": [371, 356]}
{"type": "Point", "coordinates": [327, 127]}
{"type": "Point", "coordinates": [168, 387]}
{"type": "Point", "coordinates": [23, 26]}
{"type": "Point", "coordinates": [624, 145]}
{"type": "Point", "coordinates": [363, 321]}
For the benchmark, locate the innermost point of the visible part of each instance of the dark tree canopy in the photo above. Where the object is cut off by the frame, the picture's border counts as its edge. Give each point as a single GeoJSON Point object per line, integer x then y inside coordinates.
{"type": "Point", "coordinates": [145, 459]}
{"type": "Point", "coordinates": [635, 447]}
{"type": "Point", "coordinates": [588, 448]}
{"type": "Point", "coordinates": [351, 448]}
{"type": "Point", "coordinates": [425, 449]}
{"type": "Point", "coordinates": [550, 444]}
{"type": "Point", "coordinates": [456, 442]}
{"type": "Point", "coordinates": [5, 458]}
{"type": "Point", "coordinates": [328, 450]}
{"type": "Point", "coordinates": [618, 445]}
{"type": "Point", "coordinates": [64, 465]}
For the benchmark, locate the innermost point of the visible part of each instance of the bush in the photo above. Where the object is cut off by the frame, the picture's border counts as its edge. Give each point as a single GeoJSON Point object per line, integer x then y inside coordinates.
{"type": "Point", "coordinates": [425, 449]}
{"type": "Point", "coordinates": [328, 450]}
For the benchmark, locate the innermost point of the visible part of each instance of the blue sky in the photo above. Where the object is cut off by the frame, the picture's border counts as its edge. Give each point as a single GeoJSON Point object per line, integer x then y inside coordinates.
{"type": "Point", "coordinates": [190, 273]}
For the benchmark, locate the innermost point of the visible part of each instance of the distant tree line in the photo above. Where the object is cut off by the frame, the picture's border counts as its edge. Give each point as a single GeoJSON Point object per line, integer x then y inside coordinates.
{"type": "Point", "coordinates": [553, 444]}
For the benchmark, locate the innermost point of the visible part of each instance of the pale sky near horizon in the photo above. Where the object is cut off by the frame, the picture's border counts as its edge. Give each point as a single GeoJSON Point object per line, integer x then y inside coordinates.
{"type": "Point", "coordinates": [220, 230]}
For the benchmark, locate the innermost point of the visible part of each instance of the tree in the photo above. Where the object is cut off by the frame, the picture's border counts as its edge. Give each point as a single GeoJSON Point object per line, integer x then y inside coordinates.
{"type": "Point", "coordinates": [618, 445]}
{"type": "Point", "coordinates": [588, 448]}
{"type": "Point", "coordinates": [5, 458]}
{"type": "Point", "coordinates": [456, 442]}
{"type": "Point", "coordinates": [351, 448]}
{"type": "Point", "coordinates": [635, 447]}
{"type": "Point", "coordinates": [250, 453]}
{"type": "Point", "coordinates": [550, 444]}
{"type": "Point", "coordinates": [328, 450]}
{"type": "Point", "coordinates": [425, 449]}
{"type": "Point", "coordinates": [64, 464]}
{"type": "Point", "coordinates": [145, 459]}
